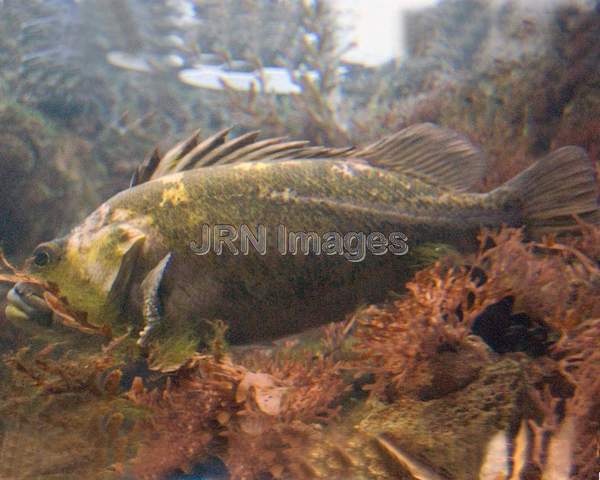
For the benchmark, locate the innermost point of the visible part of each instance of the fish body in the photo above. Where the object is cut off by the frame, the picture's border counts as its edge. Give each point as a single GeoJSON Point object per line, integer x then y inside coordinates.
{"type": "Point", "coordinates": [145, 257]}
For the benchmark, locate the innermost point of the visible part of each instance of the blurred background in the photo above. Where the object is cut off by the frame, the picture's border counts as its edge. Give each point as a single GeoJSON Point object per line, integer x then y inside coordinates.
{"type": "Point", "coordinates": [89, 87]}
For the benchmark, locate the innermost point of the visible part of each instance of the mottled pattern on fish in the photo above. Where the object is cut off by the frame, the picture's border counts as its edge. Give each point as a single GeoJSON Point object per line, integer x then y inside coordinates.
{"type": "Point", "coordinates": [309, 195]}
{"type": "Point", "coordinates": [130, 263]}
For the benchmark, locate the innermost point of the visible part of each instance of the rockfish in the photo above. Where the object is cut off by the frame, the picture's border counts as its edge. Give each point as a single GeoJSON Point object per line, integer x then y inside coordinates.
{"type": "Point", "coordinates": [324, 229]}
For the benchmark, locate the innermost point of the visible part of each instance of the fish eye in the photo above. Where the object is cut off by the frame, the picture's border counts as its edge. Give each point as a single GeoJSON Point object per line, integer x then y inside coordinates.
{"type": "Point", "coordinates": [45, 254]}
{"type": "Point", "coordinates": [41, 258]}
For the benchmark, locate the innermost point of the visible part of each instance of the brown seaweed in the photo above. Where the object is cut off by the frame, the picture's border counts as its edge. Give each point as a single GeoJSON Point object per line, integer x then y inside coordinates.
{"type": "Point", "coordinates": [262, 406]}
{"type": "Point", "coordinates": [288, 402]}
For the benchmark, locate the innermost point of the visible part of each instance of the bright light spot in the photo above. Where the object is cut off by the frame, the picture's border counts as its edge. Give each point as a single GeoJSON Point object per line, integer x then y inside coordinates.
{"type": "Point", "coordinates": [375, 26]}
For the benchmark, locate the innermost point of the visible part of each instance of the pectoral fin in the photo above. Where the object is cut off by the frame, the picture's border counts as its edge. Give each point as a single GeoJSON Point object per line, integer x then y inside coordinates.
{"type": "Point", "coordinates": [169, 341]}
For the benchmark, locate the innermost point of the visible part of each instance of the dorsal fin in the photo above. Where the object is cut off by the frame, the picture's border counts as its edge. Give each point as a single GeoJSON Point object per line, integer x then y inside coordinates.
{"type": "Point", "coordinates": [425, 151]}
{"type": "Point", "coordinates": [218, 150]}
{"type": "Point", "coordinates": [431, 153]}
{"type": "Point", "coordinates": [205, 157]}
{"type": "Point", "coordinates": [183, 158]}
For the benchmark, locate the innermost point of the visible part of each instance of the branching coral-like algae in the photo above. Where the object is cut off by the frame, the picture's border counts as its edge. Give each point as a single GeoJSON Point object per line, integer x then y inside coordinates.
{"type": "Point", "coordinates": [483, 368]}
{"type": "Point", "coordinates": [487, 367]}
{"type": "Point", "coordinates": [404, 390]}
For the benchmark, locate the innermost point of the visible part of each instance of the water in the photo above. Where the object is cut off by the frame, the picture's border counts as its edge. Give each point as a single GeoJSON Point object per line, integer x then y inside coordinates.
{"type": "Point", "coordinates": [402, 333]}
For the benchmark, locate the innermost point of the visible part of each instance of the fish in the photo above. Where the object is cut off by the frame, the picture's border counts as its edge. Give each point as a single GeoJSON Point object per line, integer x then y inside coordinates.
{"type": "Point", "coordinates": [143, 262]}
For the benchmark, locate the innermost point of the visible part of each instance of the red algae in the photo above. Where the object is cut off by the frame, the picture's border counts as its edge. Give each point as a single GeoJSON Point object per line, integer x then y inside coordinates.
{"type": "Point", "coordinates": [287, 403]}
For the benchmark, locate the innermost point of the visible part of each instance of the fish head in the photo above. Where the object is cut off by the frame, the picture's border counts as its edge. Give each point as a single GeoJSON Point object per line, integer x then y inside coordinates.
{"type": "Point", "coordinates": [89, 271]}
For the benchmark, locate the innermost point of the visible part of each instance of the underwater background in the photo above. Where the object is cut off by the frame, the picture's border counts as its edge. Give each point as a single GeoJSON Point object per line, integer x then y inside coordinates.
{"type": "Point", "coordinates": [486, 366]}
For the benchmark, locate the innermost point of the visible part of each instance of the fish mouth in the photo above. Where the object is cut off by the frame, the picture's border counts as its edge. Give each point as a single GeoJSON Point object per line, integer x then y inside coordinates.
{"type": "Point", "coordinates": [25, 302]}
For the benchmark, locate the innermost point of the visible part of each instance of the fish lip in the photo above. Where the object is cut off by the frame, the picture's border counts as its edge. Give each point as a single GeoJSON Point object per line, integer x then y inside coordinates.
{"type": "Point", "coordinates": [26, 301]}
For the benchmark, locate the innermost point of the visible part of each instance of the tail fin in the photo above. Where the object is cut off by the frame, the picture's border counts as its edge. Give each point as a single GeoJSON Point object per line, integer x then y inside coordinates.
{"type": "Point", "coordinates": [556, 188]}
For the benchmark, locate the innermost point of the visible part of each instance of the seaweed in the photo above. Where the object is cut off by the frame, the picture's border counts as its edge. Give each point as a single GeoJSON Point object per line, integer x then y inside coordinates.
{"type": "Point", "coordinates": [515, 108]}
{"type": "Point", "coordinates": [392, 374]}
{"type": "Point", "coordinates": [264, 406]}
{"type": "Point", "coordinates": [579, 362]}
{"type": "Point", "coordinates": [556, 284]}
{"type": "Point", "coordinates": [313, 64]}
{"type": "Point", "coordinates": [64, 414]}
{"type": "Point", "coordinates": [311, 406]}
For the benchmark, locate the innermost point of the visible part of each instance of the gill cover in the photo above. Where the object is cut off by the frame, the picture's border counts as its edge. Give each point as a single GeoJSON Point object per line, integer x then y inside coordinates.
{"type": "Point", "coordinates": [95, 271]}
{"type": "Point", "coordinates": [128, 251]}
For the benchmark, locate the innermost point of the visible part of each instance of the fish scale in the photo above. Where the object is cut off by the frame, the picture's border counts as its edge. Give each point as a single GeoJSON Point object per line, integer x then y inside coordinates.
{"type": "Point", "coordinates": [144, 259]}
